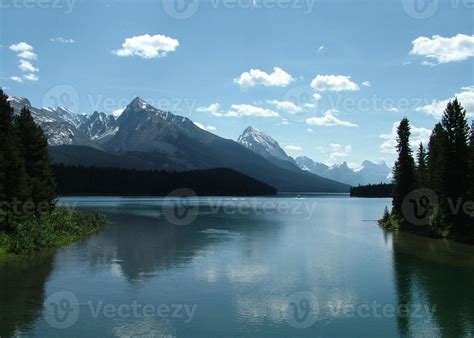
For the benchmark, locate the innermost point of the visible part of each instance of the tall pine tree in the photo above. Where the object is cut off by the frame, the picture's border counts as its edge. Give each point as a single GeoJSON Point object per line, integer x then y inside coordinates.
{"type": "Point", "coordinates": [404, 170]}
{"type": "Point", "coordinates": [14, 182]}
{"type": "Point", "coordinates": [421, 167]}
{"type": "Point", "coordinates": [34, 149]}
{"type": "Point", "coordinates": [455, 125]}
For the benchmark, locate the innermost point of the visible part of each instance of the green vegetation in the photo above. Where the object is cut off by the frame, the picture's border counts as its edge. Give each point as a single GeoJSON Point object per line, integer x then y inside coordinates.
{"type": "Point", "coordinates": [373, 190]}
{"type": "Point", "coordinates": [445, 171]}
{"type": "Point", "coordinates": [29, 219]}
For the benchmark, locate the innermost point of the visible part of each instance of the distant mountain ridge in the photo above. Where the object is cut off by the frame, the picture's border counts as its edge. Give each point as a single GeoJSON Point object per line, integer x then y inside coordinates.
{"type": "Point", "coordinates": [368, 173]}
{"type": "Point", "coordinates": [148, 136]}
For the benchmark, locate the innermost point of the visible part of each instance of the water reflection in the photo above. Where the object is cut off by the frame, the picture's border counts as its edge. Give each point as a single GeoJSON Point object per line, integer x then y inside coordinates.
{"type": "Point", "coordinates": [437, 274]}
{"type": "Point", "coordinates": [22, 293]}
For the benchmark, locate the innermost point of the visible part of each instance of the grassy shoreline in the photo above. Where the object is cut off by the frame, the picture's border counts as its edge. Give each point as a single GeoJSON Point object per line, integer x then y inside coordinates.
{"type": "Point", "coordinates": [48, 232]}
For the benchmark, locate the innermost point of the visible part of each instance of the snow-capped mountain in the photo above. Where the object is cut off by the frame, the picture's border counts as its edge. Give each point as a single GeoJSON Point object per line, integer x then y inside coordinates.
{"type": "Point", "coordinates": [367, 173]}
{"type": "Point", "coordinates": [265, 146]}
{"type": "Point", "coordinates": [153, 138]}
{"type": "Point", "coordinates": [64, 127]}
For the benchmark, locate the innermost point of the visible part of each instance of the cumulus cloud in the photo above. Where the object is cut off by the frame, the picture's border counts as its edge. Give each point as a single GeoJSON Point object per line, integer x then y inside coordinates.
{"type": "Point", "coordinates": [293, 148]}
{"type": "Point", "coordinates": [27, 67]}
{"type": "Point", "coordinates": [438, 49]}
{"type": "Point", "coordinates": [16, 79]}
{"type": "Point", "coordinates": [329, 120]}
{"type": "Point", "coordinates": [208, 128]}
{"type": "Point", "coordinates": [61, 40]}
{"type": "Point", "coordinates": [21, 47]}
{"type": "Point", "coordinates": [25, 54]}
{"type": "Point", "coordinates": [256, 77]}
{"type": "Point", "coordinates": [366, 83]}
{"type": "Point", "coordinates": [239, 110]}
{"type": "Point", "coordinates": [286, 106]}
{"type": "Point", "coordinates": [213, 109]}
{"type": "Point", "coordinates": [31, 77]}
{"type": "Point", "coordinates": [338, 151]}
{"type": "Point", "coordinates": [335, 83]}
{"type": "Point", "coordinates": [390, 140]}
{"type": "Point", "coordinates": [436, 107]}
{"type": "Point", "coordinates": [147, 46]}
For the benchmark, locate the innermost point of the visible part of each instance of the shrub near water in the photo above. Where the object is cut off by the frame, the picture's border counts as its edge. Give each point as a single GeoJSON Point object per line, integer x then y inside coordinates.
{"type": "Point", "coordinates": [50, 230]}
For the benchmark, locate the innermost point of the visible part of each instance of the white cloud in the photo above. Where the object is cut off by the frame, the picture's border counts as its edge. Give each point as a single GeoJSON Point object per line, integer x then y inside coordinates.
{"type": "Point", "coordinates": [208, 128]}
{"type": "Point", "coordinates": [31, 77]}
{"type": "Point", "coordinates": [28, 55]}
{"type": "Point", "coordinates": [309, 130]}
{"type": "Point", "coordinates": [213, 109]}
{"type": "Point", "coordinates": [21, 47]}
{"type": "Point", "coordinates": [393, 110]}
{"type": "Point", "coordinates": [338, 151]}
{"type": "Point", "coordinates": [417, 135]}
{"type": "Point", "coordinates": [309, 105]}
{"type": "Point", "coordinates": [286, 106]}
{"type": "Point", "coordinates": [335, 83]}
{"type": "Point", "coordinates": [147, 46]}
{"type": "Point", "coordinates": [366, 83]}
{"type": "Point", "coordinates": [27, 67]}
{"type": "Point", "coordinates": [329, 120]}
{"type": "Point", "coordinates": [438, 49]}
{"type": "Point", "coordinates": [436, 107]}
{"type": "Point", "coordinates": [16, 79]}
{"type": "Point", "coordinates": [293, 148]}
{"type": "Point", "coordinates": [317, 96]}
{"type": "Point", "coordinates": [284, 122]}
{"type": "Point", "coordinates": [61, 40]}
{"type": "Point", "coordinates": [255, 77]}
{"type": "Point", "coordinates": [321, 48]}
{"type": "Point", "coordinates": [239, 110]}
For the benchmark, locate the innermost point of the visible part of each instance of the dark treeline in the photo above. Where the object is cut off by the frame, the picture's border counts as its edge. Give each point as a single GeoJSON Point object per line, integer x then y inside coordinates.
{"type": "Point", "coordinates": [78, 180]}
{"type": "Point", "coordinates": [373, 190]}
{"type": "Point", "coordinates": [436, 189]}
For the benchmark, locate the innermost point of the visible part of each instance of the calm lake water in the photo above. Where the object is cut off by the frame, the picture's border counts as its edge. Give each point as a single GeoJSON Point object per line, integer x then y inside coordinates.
{"type": "Point", "coordinates": [283, 266]}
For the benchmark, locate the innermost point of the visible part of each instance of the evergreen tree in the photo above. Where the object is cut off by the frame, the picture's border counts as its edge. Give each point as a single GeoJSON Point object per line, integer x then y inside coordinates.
{"type": "Point", "coordinates": [455, 125]}
{"type": "Point", "coordinates": [421, 167]}
{"type": "Point", "coordinates": [34, 149]}
{"type": "Point", "coordinates": [12, 167]}
{"type": "Point", "coordinates": [404, 171]}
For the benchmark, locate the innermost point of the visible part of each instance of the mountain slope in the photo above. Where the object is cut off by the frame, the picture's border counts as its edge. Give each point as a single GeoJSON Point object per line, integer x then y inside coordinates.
{"type": "Point", "coordinates": [266, 146]}
{"type": "Point", "coordinates": [174, 142]}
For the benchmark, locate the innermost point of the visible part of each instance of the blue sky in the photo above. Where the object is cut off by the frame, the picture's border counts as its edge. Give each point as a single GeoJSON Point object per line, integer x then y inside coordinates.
{"type": "Point", "coordinates": [327, 79]}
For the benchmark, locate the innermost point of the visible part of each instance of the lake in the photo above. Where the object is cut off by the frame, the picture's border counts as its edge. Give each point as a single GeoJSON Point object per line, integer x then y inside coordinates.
{"type": "Point", "coordinates": [278, 266]}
